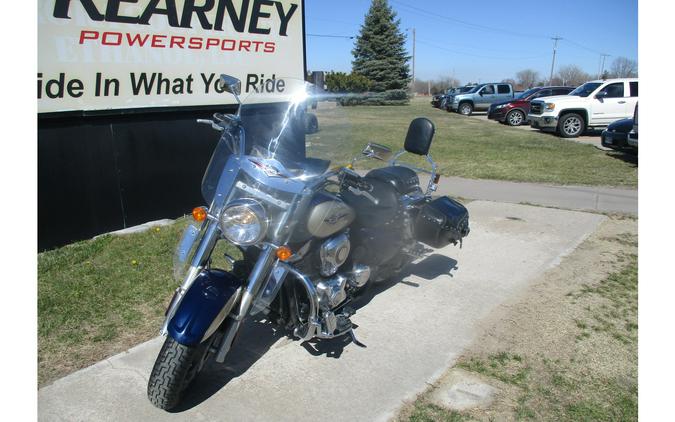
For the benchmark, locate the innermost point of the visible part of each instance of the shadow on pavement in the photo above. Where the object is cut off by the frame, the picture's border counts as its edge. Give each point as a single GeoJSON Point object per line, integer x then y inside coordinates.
{"type": "Point", "coordinates": [257, 335]}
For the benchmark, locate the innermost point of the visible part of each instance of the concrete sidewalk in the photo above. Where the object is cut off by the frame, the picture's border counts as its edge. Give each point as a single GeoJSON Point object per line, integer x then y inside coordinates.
{"type": "Point", "coordinates": [414, 329]}
{"type": "Point", "coordinates": [583, 198]}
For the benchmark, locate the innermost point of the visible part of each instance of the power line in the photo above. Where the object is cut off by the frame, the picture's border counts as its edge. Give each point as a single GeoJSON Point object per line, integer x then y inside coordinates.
{"type": "Point", "coordinates": [425, 42]}
{"type": "Point", "coordinates": [468, 24]}
{"type": "Point", "coordinates": [330, 36]}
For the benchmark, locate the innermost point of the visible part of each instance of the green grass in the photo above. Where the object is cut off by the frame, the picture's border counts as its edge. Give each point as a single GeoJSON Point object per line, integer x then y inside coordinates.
{"type": "Point", "coordinates": [569, 388]}
{"type": "Point", "coordinates": [101, 296]}
{"type": "Point", "coordinates": [472, 148]}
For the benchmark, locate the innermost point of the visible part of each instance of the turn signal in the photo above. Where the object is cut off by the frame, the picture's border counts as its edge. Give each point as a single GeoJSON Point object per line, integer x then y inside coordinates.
{"type": "Point", "coordinates": [199, 214]}
{"type": "Point", "coordinates": [437, 178]}
{"type": "Point", "coordinates": [284, 253]}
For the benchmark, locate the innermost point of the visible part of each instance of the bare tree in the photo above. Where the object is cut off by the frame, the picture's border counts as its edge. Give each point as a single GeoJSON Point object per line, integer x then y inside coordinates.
{"type": "Point", "coordinates": [623, 67]}
{"type": "Point", "coordinates": [572, 75]}
{"type": "Point", "coordinates": [527, 78]}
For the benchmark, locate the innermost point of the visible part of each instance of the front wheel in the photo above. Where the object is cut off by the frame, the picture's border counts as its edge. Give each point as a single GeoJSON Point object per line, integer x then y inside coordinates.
{"type": "Point", "coordinates": [176, 367]}
{"type": "Point", "coordinates": [465, 109]}
{"type": "Point", "coordinates": [515, 118]}
{"type": "Point", "coordinates": [571, 125]}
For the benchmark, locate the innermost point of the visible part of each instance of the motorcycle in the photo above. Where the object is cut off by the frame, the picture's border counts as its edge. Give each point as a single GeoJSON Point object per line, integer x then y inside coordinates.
{"type": "Point", "coordinates": [311, 239]}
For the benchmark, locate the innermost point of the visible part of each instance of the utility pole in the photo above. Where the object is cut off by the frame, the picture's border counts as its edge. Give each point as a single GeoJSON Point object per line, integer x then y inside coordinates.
{"type": "Point", "coordinates": [555, 47]}
{"type": "Point", "coordinates": [413, 67]}
{"type": "Point", "coordinates": [602, 65]}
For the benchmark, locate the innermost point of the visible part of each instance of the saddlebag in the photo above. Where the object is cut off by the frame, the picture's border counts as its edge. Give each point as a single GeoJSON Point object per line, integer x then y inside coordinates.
{"type": "Point", "coordinates": [441, 222]}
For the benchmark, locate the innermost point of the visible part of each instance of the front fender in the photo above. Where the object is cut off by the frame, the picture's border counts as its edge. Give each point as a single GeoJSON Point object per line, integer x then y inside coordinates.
{"type": "Point", "coordinates": [204, 306]}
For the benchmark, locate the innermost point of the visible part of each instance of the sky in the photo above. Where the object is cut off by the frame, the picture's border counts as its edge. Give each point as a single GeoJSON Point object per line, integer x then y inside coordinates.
{"type": "Point", "coordinates": [485, 40]}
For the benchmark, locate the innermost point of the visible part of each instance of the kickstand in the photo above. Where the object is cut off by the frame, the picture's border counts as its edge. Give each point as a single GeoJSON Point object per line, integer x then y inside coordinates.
{"type": "Point", "coordinates": [355, 340]}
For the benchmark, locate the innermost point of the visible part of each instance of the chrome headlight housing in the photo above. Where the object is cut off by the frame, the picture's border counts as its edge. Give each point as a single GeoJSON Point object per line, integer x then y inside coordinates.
{"type": "Point", "coordinates": [244, 222]}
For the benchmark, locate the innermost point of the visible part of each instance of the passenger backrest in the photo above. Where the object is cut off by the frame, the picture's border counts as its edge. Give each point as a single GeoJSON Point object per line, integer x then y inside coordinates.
{"type": "Point", "coordinates": [420, 133]}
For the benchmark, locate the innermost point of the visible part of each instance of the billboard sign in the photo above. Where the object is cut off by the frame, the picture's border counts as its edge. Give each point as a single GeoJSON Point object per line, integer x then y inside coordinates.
{"type": "Point", "coordinates": [128, 54]}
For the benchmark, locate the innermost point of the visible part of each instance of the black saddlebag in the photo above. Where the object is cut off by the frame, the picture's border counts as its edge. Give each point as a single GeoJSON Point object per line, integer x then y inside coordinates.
{"type": "Point", "coordinates": [441, 222]}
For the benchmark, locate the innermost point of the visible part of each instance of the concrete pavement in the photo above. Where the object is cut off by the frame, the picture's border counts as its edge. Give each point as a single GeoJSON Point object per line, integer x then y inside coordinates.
{"type": "Point", "coordinates": [414, 330]}
{"type": "Point", "coordinates": [586, 198]}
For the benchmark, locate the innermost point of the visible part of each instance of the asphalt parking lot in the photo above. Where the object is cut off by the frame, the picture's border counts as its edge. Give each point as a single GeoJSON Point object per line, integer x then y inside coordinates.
{"type": "Point", "coordinates": [590, 137]}
{"type": "Point", "coordinates": [414, 328]}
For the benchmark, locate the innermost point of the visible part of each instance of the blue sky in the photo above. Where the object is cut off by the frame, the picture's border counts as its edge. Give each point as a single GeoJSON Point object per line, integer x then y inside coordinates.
{"type": "Point", "coordinates": [483, 40]}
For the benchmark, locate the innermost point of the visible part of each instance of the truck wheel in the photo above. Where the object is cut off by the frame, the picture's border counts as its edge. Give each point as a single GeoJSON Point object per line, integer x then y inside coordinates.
{"type": "Point", "coordinates": [465, 109]}
{"type": "Point", "coordinates": [515, 118]}
{"type": "Point", "coordinates": [571, 125]}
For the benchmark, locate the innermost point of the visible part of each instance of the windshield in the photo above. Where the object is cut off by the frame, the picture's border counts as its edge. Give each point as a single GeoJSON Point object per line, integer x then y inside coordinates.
{"type": "Point", "coordinates": [291, 131]}
{"type": "Point", "coordinates": [527, 93]}
{"type": "Point", "coordinates": [586, 89]}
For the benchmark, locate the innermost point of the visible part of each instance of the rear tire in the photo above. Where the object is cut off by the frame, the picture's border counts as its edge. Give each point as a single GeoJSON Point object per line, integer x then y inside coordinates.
{"type": "Point", "coordinates": [177, 365]}
{"type": "Point", "coordinates": [571, 125]}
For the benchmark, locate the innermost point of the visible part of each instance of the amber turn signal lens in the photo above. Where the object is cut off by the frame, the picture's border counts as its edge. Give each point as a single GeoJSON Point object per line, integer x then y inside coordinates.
{"type": "Point", "coordinates": [284, 253]}
{"type": "Point", "coordinates": [199, 214]}
{"type": "Point", "coordinates": [437, 179]}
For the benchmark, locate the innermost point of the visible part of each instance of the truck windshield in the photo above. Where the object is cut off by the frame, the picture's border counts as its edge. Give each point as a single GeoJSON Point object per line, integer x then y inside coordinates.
{"type": "Point", "coordinates": [586, 89]}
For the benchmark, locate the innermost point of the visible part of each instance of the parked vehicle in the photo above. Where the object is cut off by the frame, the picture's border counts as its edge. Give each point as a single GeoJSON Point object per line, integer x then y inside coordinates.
{"type": "Point", "coordinates": [593, 105]}
{"type": "Point", "coordinates": [311, 239]}
{"type": "Point", "coordinates": [447, 100]}
{"type": "Point", "coordinates": [616, 135]}
{"type": "Point", "coordinates": [514, 112]}
{"type": "Point", "coordinates": [481, 97]}
{"type": "Point", "coordinates": [633, 134]}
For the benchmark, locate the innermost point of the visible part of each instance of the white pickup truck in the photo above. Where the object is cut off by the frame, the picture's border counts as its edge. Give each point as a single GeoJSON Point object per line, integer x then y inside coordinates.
{"type": "Point", "coordinates": [593, 105]}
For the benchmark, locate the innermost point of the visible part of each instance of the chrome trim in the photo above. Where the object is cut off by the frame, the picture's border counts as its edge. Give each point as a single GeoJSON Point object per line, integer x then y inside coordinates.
{"type": "Point", "coordinates": [257, 209]}
{"type": "Point", "coordinates": [262, 195]}
{"type": "Point", "coordinates": [314, 326]}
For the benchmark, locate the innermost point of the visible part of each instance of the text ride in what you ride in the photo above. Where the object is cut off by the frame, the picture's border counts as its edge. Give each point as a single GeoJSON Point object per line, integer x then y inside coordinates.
{"type": "Point", "coordinates": [149, 83]}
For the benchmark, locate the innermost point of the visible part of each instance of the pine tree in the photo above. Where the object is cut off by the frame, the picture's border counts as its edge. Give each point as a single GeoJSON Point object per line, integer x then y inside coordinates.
{"type": "Point", "coordinates": [379, 53]}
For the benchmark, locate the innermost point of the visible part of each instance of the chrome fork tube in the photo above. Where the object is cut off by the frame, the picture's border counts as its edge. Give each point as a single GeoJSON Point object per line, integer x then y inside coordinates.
{"type": "Point", "coordinates": [255, 280]}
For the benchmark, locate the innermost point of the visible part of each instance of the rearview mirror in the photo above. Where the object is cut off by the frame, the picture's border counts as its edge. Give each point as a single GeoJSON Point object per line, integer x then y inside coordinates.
{"type": "Point", "coordinates": [601, 95]}
{"type": "Point", "coordinates": [231, 84]}
{"type": "Point", "coordinates": [378, 151]}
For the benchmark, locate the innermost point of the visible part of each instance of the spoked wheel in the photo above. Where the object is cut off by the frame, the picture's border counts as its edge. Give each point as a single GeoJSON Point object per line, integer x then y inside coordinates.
{"type": "Point", "coordinates": [515, 118]}
{"type": "Point", "coordinates": [177, 365]}
{"type": "Point", "coordinates": [571, 125]}
{"type": "Point", "coordinates": [465, 109]}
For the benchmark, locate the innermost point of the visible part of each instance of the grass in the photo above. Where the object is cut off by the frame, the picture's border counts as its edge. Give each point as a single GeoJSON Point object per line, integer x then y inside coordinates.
{"type": "Point", "coordinates": [101, 296]}
{"type": "Point", "coordinates": [568, 386]}
{"type": "Point", "coordinates": [472, 148]}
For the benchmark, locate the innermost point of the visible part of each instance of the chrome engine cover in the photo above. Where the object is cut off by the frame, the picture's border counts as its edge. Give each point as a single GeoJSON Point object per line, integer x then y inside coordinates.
{"type": "Point", "coordinates": [333, 253]}
{"type": "Point", "coordinates": [331, 292]}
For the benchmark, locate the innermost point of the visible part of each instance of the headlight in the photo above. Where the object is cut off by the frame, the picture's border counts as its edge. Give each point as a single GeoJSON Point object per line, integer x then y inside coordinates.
{"type": "Point", "coordinates": [550, 106]}
{"type": "Point", "coordinates": [244, 222]}
{"type": "Point", "coordinates": [500, 106]}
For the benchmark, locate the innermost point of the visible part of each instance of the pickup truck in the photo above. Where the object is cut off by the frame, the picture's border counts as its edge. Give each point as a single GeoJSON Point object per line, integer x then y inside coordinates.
{"type": "Point", "coordinates": [481, 97]}
{"type": "Point", "coordinates": [593, 105]}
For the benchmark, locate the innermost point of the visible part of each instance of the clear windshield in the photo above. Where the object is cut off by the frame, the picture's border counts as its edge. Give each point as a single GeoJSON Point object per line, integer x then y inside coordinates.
{"type": "Point", "coordinates": [586, 89]}
{"type": "Point", "coordinates": [526, 93]}
{"type": "Point", "coordinates": [294, 129]}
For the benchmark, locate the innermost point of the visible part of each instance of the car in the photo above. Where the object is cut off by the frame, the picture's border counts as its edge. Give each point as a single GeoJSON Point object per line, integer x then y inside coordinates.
{"type": "Point", "coordinates": [633, 134]}
{"type": "Point", "coordinates": [447, 100]}
{"type": "Point", "coordinates": [616, 136]}
{"type": "Point", "coordinates": [593, 105]}
{"type": "Point", "coordinates": [481, 97]}
{"type": "Point", "coordinates": [514, 112]}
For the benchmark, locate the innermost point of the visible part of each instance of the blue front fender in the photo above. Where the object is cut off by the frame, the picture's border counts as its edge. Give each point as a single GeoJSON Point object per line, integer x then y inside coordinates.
{"type": "Point", "coordinates": [203, 304]}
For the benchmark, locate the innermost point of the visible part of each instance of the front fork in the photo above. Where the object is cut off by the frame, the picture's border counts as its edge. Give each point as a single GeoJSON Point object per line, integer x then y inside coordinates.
{"type": "Point", "coordinates": [255, 280]}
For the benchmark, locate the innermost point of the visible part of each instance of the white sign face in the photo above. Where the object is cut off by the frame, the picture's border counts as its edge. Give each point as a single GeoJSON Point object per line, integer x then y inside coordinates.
{"type": "Point", "coordinates": [122, 54]}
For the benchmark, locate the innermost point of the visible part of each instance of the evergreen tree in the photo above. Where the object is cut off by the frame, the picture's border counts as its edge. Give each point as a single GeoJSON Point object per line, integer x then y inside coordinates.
{"type": "Point", "coordinates": [379, 53]}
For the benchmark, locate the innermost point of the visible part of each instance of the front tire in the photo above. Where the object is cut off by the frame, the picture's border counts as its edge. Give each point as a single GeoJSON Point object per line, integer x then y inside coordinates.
{"type": "Point", "coordinates": [176, 367]}
{"type": "Point", "coordinates": [465, 109]}
{"type": "Point", "coordinates": [571, 125]}
{"type": "Point", "coordinates": [515, 118]}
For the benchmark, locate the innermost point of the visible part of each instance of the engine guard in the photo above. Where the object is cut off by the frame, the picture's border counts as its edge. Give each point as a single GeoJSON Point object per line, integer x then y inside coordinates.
{"type": "Point", "coordinates": [204, 306]}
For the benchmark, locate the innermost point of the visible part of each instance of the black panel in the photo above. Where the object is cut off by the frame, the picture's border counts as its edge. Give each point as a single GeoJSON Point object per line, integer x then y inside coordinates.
{"type": "Point", "coordinates": [102, 173]}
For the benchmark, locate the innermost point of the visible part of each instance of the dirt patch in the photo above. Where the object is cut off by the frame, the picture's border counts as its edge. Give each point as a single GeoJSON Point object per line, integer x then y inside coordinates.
{"type": "Point", "coordinates": [567, 348]}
